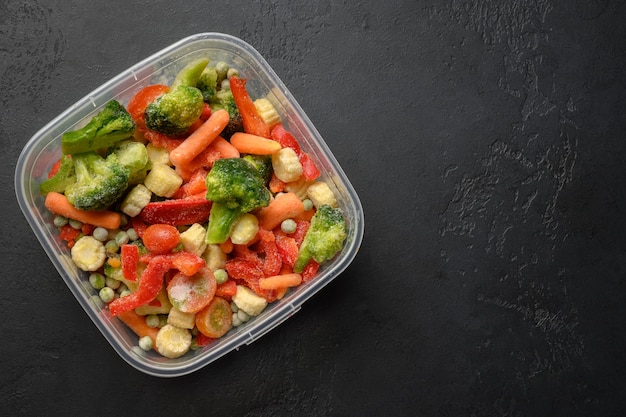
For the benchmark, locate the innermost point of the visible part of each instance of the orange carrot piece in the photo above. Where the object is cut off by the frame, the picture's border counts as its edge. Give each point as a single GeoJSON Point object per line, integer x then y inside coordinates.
{"type": "Point", "coordinates": [224, 148]}
{"type": "Point", "coordinates": [200, 138]}
{"type": "Point", "coordinates": [276, 185]}
{"type": "Point", "coordinates": [138, 324]}
{"type": "Point", "coordinates": [280, 293]}
{"type": "Point", "coordinates": [284, 206]}
{"type": "Point", "coordinates": [306, 215]}
{"type": "Point", "coordinates": [227, 247]}
{"type": "Point", "coordinates": [280, 281]}
{"type": "Point", "coordinates": [59, 204]}
{"type": "Point", "coordinates": [253, 144]}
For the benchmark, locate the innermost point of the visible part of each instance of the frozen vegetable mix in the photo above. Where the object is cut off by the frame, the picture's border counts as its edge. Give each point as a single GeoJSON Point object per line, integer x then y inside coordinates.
{"type": "Point", "coordinates": [192, 208]}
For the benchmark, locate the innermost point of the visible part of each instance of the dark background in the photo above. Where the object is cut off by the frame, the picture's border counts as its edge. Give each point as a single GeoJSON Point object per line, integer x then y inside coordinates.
{"type": "Point", "coordinates": [486, 141]}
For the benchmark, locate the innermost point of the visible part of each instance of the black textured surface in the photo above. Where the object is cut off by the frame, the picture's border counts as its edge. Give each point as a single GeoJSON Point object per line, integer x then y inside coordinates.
{"type": "Point", "coordinates": [486, 141]}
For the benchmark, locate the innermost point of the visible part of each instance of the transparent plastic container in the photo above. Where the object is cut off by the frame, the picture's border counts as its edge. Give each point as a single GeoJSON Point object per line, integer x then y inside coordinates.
{"type": "Point", "coordinates": [44, 148]}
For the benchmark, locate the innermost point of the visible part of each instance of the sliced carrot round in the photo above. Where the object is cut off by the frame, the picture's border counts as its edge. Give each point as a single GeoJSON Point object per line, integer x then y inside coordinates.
{"type": "Point", "coordinates": [191, 294]}
{"type": "Point", "coordinates": [215, 319]}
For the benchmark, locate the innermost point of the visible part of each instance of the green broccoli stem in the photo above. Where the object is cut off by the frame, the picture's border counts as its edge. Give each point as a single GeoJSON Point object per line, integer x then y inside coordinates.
{"type": "Point", "coordinates": [190, 74]}
{"type": "Point", "coordinates": [112, 124]}
{"type": "Point", "coordinates": [63, 177]}
{"type": "Point", "coordinates": [221, 221]}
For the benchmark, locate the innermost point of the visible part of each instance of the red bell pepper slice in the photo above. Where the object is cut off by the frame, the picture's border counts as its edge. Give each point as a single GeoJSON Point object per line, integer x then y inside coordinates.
{"type": "Point", "coordinates": [226, 289]}
{"type": "Point", "coordinates": [55, 168]}
{"type": "Point", "coordinates": [271, 261]}
{"type": "Point", "coordinates": [310, 270]}
{"type": "Point", "coordinates": [186, 262]}
{"type": "Point", "coordinates": [130, 256]}
{"type": "Point", "coordinates": [140, 101]}
{"type": "Point", "coordinates": [287, 248]}
{"type": "Point", "coordinates": [287, 140]}
{"type": "Point", "coordinates": [302, 226]}
{"type": "Point", "coordinates": [69, 234]}
{"type": "Point", "coordinates": [150, 284]}
{"type": "Point", "coordinates": [162, 141]}
{"type": "Point", "coordinates": [206, 112]}
{"type": "Point", "coordinates": [244, 269]}
{"type": "Point", "coordinates": [139, 225]}
{"type": "Point", "coordinates": [252, 122]}
{"type": "Point", "coordinates": [203, 340]}
{"type": "Point", "coordinates": [176, 212]}
{"type": "Point", "coordinates": [196, 185]}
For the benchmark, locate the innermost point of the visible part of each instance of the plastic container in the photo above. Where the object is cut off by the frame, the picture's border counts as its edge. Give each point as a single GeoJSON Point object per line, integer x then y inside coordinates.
{"type": "Point", "coordinates": [44, 148]}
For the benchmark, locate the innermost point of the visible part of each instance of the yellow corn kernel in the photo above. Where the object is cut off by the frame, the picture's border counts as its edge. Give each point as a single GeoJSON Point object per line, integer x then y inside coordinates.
{"type": "Point", "coordinates": [267, 111]}
{"type": "Point", "coordinates": [158, 155]}
{"type": "Point", "coordinates": [163, 181]}
{"type": "Point", "coordinates": [244, 229]}
{"type": "Point", "coordinates": [214, 257]}
{"type": "Point", "coordinates": [320, 193]}
{"type": "Point", "coordinates": [136, 200]}
{"type": "Point", "coordinates": [173, 342]}
{"type": "Point", "coordinates": [179, 319]}
{"type": "Point", "coordinates": [298, 187]}
{"type": "Point", "coordinates": [286, 165]}
{"type": "Point", "coordinates": [194, 239]}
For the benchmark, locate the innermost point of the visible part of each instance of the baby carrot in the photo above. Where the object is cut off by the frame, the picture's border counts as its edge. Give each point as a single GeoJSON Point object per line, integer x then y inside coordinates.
{"type": "Point", "coordinates": [138, 325]}
{"type": "Point", "coordinates": [59, 204]}
{"type": "Point", "coordinates": [280, 281]}
{"type": "Point", "coordinates": [284, 206]}
{"type": "Point", "coordinates": [253, 144]}
{"type": "Point", "coordinates": [200, 138]}
{"type": "Point", "coordinates": [224, 148]}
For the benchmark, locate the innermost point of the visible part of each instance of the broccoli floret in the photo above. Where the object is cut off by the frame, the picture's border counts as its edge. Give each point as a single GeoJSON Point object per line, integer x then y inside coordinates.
{"type": "Point", "coordinates": [324, 238]}
{"type": "Point", "coordinates": [235, 187]}
{"type": "Point", "coordinates": [99, 181]}
{"type": "Point", "coordinates": [263, 163]}
{"type": "Point", "coordinates": [112, 124]}
{"type": "Point", "coordinates": [224, 99]}
{"type": "Point", "coordinates": [134, 156]}
{"type": "Point", "coordinates": [63, 177]}
{"type": "Point", "coordinates": [207, 83]}
{"type": "Point", "coordinates": [174, 112]}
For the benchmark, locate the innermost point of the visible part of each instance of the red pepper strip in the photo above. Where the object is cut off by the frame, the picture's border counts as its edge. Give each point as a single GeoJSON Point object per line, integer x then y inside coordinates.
{"type": "Point", "coordinates": [206, 112]}
{"type": "Point", "coordinates": [176, 212]}
{"type": "Point", "coordinates": [309, 169]}
{"type": "Point", "coordinates": [252, 122]}
{"type": "Point", "coordinates": [226, 289]}
{"type": "Point", "coordinates": [87, 229]}
{"type": "Point", "coordinates": [138, 103]}
{"type": "Point", "coordinates": [310, 270]}
{"type": "Point", "coordinates": [55, 168]}
{"type": "Point", "coordinates": [195, 185]}
{"type": "Point", "coordinates": [203, 340]}
{"type": "Point", "coordinates": [272, 261]}
{"type": "Point", "coordinates": [162, 141]}
{"type": "Point", "coordinates": [244, 253]}
{"type": "Point", "coordinates": [301, 228]}
{"type": "Point", "coordinates": [287, 140]}
{"type": "Point", "coordinates": [139, 225]}
{"type": "Point", "coordinates": [186, 262]}
{"type": "Point", "coordinates": [69, 234]}
{"type": "Point", "coordinates": [287, 248]}
{"type": "Point", "coordinates": [130, 256]}
{"type": "Point", "coordinates": [244, 269]}
{"type": "Point", "coordinates": [150, 284]}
